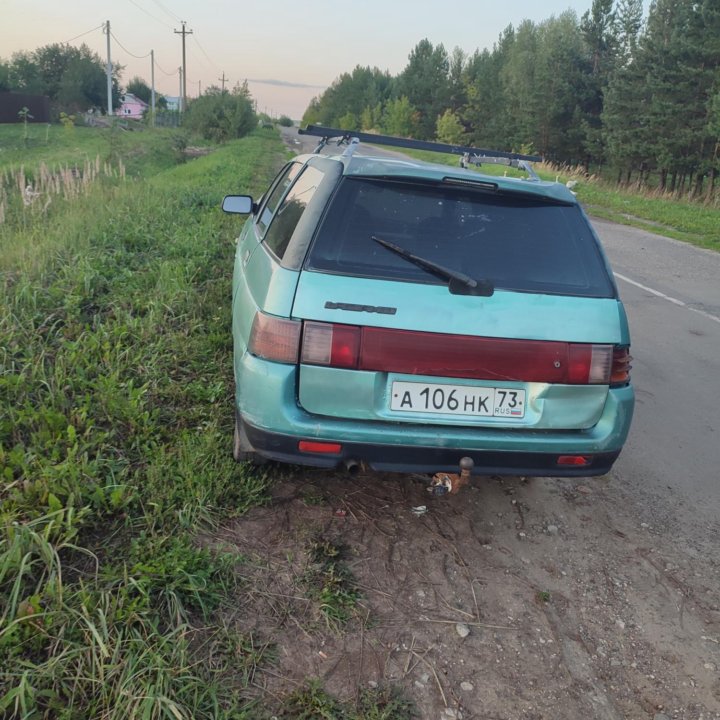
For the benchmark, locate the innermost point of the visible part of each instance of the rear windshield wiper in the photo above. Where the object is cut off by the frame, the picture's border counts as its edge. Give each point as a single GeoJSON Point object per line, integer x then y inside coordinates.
{"type": "Point", "coordinates": [458, 283]}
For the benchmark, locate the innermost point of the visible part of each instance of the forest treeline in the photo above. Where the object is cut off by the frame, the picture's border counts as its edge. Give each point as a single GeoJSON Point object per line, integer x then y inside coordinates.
{"type": "Point", "coordinates": [637, 99]}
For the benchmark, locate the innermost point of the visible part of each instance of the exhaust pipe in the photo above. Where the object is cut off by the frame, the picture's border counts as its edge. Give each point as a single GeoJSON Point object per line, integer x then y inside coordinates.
{"type": "Point", "coordinates": [352, 466]}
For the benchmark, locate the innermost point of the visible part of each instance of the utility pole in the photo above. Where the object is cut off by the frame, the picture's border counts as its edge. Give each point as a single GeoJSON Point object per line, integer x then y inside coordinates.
{"type": "Point", "coordinates": [199, 88]}
{"type": "Point", "coordinates": [223, 80]}
{"type": "Point", "coordinates": [183, 32]}
{"type": "Point", "coordinates": [109, 71]}
{"type": "Point", "coordinates": [152, 86]}
{"type": "Point", "coordinates": [180, 75]}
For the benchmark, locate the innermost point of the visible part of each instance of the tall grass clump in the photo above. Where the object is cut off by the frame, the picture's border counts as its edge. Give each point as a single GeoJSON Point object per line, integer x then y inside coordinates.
{"type": "Point", "coordinates": [115, 389]}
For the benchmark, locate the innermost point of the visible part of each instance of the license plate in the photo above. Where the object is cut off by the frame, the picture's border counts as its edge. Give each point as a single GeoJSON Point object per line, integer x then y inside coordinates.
{"type": "Point", "coordinates": [457, 400]}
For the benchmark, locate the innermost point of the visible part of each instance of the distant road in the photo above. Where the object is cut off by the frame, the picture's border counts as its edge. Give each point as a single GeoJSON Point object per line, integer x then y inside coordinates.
{"type": "Point", "coordinates": [672, 294]}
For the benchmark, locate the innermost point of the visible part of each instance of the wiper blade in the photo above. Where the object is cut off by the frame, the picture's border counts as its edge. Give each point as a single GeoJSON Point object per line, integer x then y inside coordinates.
{"type": "Point", "coordinates": [458, 283]}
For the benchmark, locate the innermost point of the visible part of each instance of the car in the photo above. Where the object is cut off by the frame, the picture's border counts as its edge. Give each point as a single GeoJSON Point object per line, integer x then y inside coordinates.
{"type": "Point", "coordinates": [402, 315]}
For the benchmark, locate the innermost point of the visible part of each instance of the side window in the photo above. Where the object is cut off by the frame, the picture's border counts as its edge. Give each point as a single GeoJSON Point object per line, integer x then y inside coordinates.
{"type": "Point", "coordinates": [281, 185]}
{"type": "Point", "coordinates": [290, 211]}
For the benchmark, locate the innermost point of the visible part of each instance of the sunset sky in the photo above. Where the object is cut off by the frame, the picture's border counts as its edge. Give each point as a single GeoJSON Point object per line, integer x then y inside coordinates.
{"type": "Point", "coordinates": [288, 51]}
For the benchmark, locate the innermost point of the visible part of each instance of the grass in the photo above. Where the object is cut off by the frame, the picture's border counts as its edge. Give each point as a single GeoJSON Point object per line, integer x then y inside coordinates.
{"type": "Point", "coordinates": [311, 702]}
{"type": "Point", "coordinates": [331, 583]}
{"type": "Point", "coordinates": [144, 152]}
{"type": "Point", "coordinates": [693, 222]}
{"type": "Point", "coordinates": [115, 446]}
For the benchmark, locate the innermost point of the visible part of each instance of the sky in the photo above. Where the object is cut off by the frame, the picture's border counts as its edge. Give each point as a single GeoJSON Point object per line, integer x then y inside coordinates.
{"type": "Point", "coordinates": [288, 50]}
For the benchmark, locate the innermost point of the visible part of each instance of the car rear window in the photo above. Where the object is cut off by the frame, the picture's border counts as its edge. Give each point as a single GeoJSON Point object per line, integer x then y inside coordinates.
{"type": "Point", "coordinates": [512, 239]}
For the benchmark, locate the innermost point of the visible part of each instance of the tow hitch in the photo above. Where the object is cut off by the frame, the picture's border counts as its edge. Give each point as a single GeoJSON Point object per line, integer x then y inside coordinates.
{"type": "Point", "coordinates": [444, 483]}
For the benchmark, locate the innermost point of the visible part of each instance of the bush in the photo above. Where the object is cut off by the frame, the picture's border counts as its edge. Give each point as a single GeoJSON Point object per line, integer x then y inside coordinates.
{"type": "Point", "coordinates": [285, 121]}
{"type": "Point", "coordinates": [222, 116]}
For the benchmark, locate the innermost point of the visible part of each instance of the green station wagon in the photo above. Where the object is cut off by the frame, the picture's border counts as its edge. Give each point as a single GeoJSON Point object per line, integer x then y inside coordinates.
{"type": "Point", "coordinates": [404, 315]}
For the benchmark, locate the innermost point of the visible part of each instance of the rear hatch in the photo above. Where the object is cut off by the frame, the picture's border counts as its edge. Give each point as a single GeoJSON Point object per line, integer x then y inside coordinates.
{"type": "Point", "coordinates": [384, 338]}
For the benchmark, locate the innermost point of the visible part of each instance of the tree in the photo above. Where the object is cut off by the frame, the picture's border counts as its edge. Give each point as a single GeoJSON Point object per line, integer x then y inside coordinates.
{"type": "Point", "coordinates": [424, 82]}
{"type": "Point", "coordinates": [222, 116]}
{"type": "Point", "coordinates": [349, 94]}
{"type": "Point", "coordinates": [140, 89]}
{"type": "Point", "coordinates": [449, 129]}
{"type": "Point", "coordinates": [73, 78]}
{"type": "Point", "coordinates": [400, 118]}
{"type": "Point", "coordinates": [4, 76]}
{"type": "Point", "coordinates": [485, 113]}
{"type": "Point", "coordinates": [628, 22]}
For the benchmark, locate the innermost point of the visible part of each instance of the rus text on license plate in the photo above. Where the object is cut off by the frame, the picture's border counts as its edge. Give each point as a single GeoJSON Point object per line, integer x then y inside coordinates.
{"type": "Point", "coordinates": [457, 400]}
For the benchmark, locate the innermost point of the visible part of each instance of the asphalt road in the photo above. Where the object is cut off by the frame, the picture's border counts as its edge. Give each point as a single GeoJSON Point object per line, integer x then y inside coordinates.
{"type": "Point", "coordinates": [671, 290]}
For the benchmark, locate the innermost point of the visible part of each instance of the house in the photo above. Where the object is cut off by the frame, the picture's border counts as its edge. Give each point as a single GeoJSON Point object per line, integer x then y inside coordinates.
{"type": "Point", "coordinates": [131, 106]}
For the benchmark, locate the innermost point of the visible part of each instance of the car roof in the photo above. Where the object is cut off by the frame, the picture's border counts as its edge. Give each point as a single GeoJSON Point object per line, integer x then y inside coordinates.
{"type": "Point", "coordinates": [408, 168]}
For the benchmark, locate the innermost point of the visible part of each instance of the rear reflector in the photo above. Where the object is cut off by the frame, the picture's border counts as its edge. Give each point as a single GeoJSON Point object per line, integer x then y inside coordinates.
{"type": "Point", "coordinates": [460, 356]}
{"type": "Point", "coordinates": [275, 338]}
{"type": "Point", "coordinates": [325, 448]}
{"type": "Point", "coordinates": [577, 460]}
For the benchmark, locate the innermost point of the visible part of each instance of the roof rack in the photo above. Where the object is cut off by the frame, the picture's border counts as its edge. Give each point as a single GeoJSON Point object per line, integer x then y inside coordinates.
{"type": "Point", "coordinates": [476, 156]}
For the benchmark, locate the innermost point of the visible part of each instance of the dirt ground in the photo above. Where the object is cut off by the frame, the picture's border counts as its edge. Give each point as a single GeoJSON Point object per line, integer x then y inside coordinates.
{"type": "Point", "coordinates": [546, 598]}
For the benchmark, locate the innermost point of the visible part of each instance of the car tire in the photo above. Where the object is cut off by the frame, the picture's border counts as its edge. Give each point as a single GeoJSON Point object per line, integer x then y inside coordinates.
{"type": "Point", "coordinates": [242, 449]}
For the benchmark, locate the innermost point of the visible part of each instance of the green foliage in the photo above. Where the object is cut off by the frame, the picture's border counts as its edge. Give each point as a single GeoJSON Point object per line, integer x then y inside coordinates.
{"type": "Point", "coordinates": [72, 77]}
{"type": "Point", "coordinates": [312, 702]}
{"type": "Point", "coordinates": [400, 118]}
{"type": "Point", "coordinates": [449, 129]}
{"type": "Point", "coordinates": [67, 121]}
{"type": "Point", "coordinates": [115, 448]}
{"type": "Point", "coordinates": [350, 93]}
{"type": "Point", "coordinates": [424, 82]}
{"type": "Point", "coordinates": [285, 121]}
{"type": "Point", "coordinates": [330, 582]}
{"type": "Point", "coordinates": [140, 89]}
{"type": "Point", "coordinates": [222, 116]}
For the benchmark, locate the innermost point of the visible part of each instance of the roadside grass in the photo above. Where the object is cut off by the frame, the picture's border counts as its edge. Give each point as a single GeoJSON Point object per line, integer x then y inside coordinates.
{"type": "Point", "coordinates": [143, 151]}
{"type": "Point", "coordinates": [694, 222]}
{"type": "Point", "coordinates": [114, 448]}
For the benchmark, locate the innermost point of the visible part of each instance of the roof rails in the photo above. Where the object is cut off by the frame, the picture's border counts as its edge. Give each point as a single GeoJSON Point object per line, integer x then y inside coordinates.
{"type": "Point", "coordinates": [477, 156]}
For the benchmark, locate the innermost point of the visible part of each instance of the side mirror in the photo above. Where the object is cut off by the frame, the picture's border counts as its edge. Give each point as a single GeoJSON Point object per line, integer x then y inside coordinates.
{"type": "Point", "coordinates": [238, 204]}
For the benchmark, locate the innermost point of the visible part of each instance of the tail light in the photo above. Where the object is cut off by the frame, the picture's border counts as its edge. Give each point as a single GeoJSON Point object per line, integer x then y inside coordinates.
{"type": "Point", "coordinates": [334, 345]}
{"type": "Point", "coordinates": [621, 366]}
{"type": "Point", "coordinates": [275, 338]}
{"type": "Point", "coordinates": [461, 356]}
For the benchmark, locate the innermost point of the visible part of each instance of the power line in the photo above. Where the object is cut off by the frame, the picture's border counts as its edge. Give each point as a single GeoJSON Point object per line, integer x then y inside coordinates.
{"type": "Point", "coordinates": [139, 57]}
{"type": "Point", "coordinates": [164, 72]}
{"type": "Point", "coordinates": [83, 34]}
{"type": "Point", "coordinates": [204, 53]}
{"type": "Point", "coordinates": [166, 11]}
{"type": "Point", "coordinates": [139, 7]}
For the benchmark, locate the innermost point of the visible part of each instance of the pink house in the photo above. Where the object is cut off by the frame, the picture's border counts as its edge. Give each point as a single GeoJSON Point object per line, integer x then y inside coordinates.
{"type": "Point", "coordinates": [131, 106]}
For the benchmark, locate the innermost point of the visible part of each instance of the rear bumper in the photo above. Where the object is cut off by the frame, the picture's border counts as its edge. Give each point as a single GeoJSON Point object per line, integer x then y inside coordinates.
{"type": "Point", "coordinates": [274, 421]}
{"type": "Point", "coordinates": [401, 458]}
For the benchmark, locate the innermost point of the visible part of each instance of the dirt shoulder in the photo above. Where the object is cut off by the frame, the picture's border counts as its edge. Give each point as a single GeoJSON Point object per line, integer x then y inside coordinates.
{"type": "Point", "coordinates": [546, 598]}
